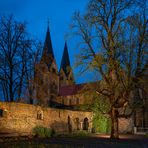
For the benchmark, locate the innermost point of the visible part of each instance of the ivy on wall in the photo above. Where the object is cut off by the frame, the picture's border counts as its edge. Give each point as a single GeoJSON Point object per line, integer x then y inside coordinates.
{"type": "Point", "coordinates": [101, 120]}
{"type": "Point", "coordinates": [101, 123]}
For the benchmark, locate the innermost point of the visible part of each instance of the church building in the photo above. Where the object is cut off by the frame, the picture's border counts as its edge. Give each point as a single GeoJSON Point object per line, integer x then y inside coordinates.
{"type": "Point", "coordinates": [58, 88]}
{"type": "Point", "coordinates": [58, 97]}
{"type": "Point", "coordinates": [52, 86]}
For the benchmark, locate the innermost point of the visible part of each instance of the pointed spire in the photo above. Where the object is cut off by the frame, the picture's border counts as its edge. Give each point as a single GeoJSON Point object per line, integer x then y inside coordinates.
{"type": "Point", "coordinates": [65, 63]}
{"type": "Point", "coordinates": [48, 22]}
{"type": "Point", "coordinates": [47, 55]}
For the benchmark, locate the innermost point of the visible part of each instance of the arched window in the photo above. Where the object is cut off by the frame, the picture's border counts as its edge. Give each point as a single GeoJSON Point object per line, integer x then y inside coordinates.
{"type": "Point", "coordinates": [40, 115]}
{"type": "Point", "coordinates": [69, 124]}
{"type": "Point", "coordinates": [3, 113]}
{"type": "Point", "coordinates": [77, 101]}
{"type": "Point", "coordinates": [85, 124]}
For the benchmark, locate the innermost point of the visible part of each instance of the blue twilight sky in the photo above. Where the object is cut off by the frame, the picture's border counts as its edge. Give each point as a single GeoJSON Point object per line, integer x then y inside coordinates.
{"type": "Point", "coordinates": [36, 14]}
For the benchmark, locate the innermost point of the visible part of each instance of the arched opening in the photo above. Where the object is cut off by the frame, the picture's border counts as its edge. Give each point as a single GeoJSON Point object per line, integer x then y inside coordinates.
{"type": "Point", "coordinates": [69, 125]}
{"type": "Point", "coordinates": [40, 115]}
{"type": "Point", "coordinates": [1, 112]}
{"type": "Point", "coordinates": [77, 123]}
{"type": "Point", "coordinates": [85, 124]}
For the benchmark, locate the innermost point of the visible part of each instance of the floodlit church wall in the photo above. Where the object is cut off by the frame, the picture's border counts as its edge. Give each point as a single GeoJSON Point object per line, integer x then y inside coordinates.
{"type": "Point", "coordinates": [77, 99]}
{"type": "Point", "coordinates": [22, 118]}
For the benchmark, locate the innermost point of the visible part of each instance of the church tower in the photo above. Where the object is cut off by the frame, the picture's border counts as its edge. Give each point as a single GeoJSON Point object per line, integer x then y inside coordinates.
{"type": "Point", "coordinates": [47, 79]}
{"type": "Point", "coordinates": [65, 73]}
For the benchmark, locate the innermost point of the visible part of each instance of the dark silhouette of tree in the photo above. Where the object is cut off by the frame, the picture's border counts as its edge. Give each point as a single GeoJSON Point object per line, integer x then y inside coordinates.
{"type": "Point", "coordinates": [113, 37]}
{"type": "Point", "coordinates": [16, 53]}
{"type": "Point", "coordinates": [33, 59]}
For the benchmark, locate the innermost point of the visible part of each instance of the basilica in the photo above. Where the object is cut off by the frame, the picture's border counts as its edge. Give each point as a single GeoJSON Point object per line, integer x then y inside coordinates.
{"type": "Point", "coordinates": [56, 88]}
{"type": "Point", "coordinates": [57, 100]}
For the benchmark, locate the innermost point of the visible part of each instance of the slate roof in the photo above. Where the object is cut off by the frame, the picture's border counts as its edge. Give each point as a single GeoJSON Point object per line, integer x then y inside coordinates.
{"type": "Point", "coordinates": [70, 90]}
{"type": "Point", "coordinates": [47, 54]}
{"type": "Point", "coordinates": [65, 63]}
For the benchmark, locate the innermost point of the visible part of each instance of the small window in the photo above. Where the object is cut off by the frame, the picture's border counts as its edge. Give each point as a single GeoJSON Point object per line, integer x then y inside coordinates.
{"type": "Point", "coordinates": [40, 115]}
{"type": "Point", "coordinates": [77, 101]}
{"type": "Point", "coordinates": [70, 102]}
{"type": "Point", "coordinates": [1, 113]}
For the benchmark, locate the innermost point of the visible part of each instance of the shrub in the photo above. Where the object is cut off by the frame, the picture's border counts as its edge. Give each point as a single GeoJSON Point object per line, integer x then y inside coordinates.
{"type": "Point", "coordinates": [101, 123]}
{"type": "Point", "coordinates": [80, 134]}
{"type": "Point", "coordinates": [43, 132]}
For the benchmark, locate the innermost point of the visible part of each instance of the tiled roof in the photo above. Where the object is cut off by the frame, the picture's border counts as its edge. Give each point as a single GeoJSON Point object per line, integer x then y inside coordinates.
{"type": "Point", "coordinates": [47, 55]}
{"type": "Point", "coordinates": [65, 63]}
{"type": "Point", "coordinates": [70, 90]}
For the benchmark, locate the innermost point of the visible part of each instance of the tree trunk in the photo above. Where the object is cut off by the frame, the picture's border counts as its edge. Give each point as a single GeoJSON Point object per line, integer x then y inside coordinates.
{"type": "Point", "coordinates": [114, 124]}
{"type": "Point", "coordinates": [11, 84]}
{"type": "Point", "coordinates": [5, 91]}
{"type": "Point", "coordinates": [20, 86]}
{"type": "Point", "coordinates": [30, 96]}
{"type": "Point", "coordinates": [143, 114]}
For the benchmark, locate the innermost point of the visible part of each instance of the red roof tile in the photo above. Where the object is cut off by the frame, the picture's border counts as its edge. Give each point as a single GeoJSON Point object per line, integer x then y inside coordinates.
{"type": "Point", "coordinates": [70, 90]}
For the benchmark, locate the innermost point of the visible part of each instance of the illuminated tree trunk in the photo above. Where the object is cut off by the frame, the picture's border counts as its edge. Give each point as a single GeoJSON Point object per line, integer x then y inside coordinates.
{"type": "Point", "coordinates": [114, 111]}
{"type": "Point", "coordinates": [114, 124]}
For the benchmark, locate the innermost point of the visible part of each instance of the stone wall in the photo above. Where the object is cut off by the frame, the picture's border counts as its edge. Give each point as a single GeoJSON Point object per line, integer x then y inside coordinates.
{"type": "Point", "coordinates": [77, 99]}
{"type": "Point", "coordinates": [20, 118]}
{"type": "Point", "coordinates": [126, 125]}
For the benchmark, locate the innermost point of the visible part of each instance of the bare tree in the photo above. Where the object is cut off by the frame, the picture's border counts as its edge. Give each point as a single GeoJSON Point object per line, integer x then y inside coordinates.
{"type": "Point", "coordinates": [15, 46]}
{"type": "Point", "coordinates": [30, 70]}
{"type": "Point", "coordinates": [114, 46]}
